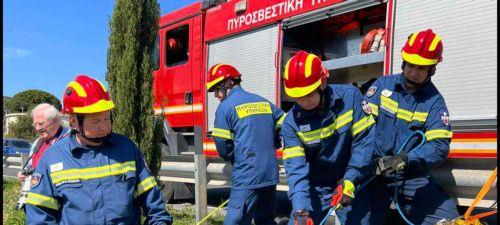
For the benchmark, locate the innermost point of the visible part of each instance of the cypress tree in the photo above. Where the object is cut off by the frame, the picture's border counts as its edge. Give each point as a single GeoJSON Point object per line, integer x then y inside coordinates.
{"type": "Point", "coordinates": [133, 31]}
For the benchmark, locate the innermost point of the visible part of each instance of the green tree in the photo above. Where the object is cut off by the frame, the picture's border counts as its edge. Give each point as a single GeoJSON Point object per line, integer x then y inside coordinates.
{"type": "Point", "coordinates": [28, 99]}
{"type": "Point", "coordinates": [22, 129]}
{"type": "Point", "coordinates": [133, 31]}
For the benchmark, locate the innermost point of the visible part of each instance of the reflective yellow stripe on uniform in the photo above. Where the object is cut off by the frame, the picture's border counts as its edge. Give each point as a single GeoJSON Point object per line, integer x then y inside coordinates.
{"type": "Point", "coordinates": [434, 134]}
{"type": "Point", "coordinates": [420, 116]}
{"type": "Point", "coordinates": [293, 152]}
{"type": "Point", "coordinates": [280, 121]}
{"type": "Point", "coordinates": [222, 133]}
{"type": "Point", "coordinates": [362, 124]}
{"type": "Point", "coordinates": [42, 200]}
{"type": "Point", "coordinates": [145, 185]}
{"type": "Point", "coordinates": [388, 104]}
{"type": "Point", "coordinates": [374, 108]}
{"type": "Point", "coordinates": [93, 172]}
{"type": "Point", "coordinates": [326, 132]}
{"type": "Point", "coordinates": [392, 106]}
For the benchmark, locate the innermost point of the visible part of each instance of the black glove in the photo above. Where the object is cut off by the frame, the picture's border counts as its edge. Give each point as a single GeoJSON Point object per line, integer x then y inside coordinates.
{"type": "Point", "coordinates": [343, 194]}
{"type": "Point", "coordinates": [388, 165]}
{"type": "Point", "coordinates": [301, 217]}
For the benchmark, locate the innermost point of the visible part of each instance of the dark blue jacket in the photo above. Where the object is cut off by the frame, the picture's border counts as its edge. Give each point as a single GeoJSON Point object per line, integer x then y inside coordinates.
{"type": "Point", "coordinates": [244, 133]}
{"type": "Point", "coordinates": [106, 185]}
{"type": "Point", "coordinates": [399, 113]}
{"type": "Point", "coordinates": [321, 149]}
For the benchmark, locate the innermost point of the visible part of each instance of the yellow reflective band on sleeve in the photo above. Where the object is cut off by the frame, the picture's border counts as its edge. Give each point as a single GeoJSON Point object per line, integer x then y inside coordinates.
{"type": "Point", "coordinates": [374, 108]}
{"type": "Point", "coordinates": [280, 121]}
{"type": "Point", "coordinates": [92, 173]}
{"type": "Point", "coordinates": [434, 134]}
{"type": "Point", "coordinates": [362, 124]}
{"type": "Point", "coordinates": [293, 152]}
{"type": "Point", "coordinates": [254, 108]}
{"type": "Point", "coordinates": [388, 104]}
{"type": "Point", "coordinates": [221, 133]}
{"type": "Point", "coordinates": [145, 185]}
{"type": "Point", "coordinates": [42, 200]}
{"type": "Point", "coordinates": [326, 132]}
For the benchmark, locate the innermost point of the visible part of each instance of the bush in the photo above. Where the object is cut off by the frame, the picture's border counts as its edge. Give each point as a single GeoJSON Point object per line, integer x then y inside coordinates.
{"type": "Point", "coordinates": [23, 129]}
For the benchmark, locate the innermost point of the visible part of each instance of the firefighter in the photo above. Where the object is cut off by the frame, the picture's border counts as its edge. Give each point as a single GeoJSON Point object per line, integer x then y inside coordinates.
{"type": "Point", "coordinates": [404, 103]}
{"type": "Point", "coordinates": [245, 133]}
{"type": "Point", "coordinates": [328, 140]}
{"type": "Point", "coordinates": [93, 176]}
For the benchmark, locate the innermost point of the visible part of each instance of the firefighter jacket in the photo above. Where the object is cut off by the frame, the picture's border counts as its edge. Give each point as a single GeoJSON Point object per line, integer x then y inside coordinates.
{"type": "Point", "coordinates": [323, 147]}
{"type": "Point", "coordinates": [398, 113]}
{"type": "Point", "coordinates": [110, 184]}
{"type": "Point", "coordinates": [245, 133]}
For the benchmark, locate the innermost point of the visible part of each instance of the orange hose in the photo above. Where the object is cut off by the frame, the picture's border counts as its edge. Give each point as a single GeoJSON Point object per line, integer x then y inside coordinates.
{"type": "Point", "coordinates": [486, 187]}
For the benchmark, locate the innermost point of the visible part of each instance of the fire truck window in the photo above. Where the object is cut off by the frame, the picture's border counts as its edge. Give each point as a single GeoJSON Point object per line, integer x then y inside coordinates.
{"type": "Point", "coordinates": [177, 46]}
{"type": "Point", "coordinates": [156, 54]}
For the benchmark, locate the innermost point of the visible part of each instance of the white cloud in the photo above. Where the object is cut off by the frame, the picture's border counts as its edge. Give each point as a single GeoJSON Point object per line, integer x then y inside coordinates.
{"type": "Point", "coordinates": [15, 53]}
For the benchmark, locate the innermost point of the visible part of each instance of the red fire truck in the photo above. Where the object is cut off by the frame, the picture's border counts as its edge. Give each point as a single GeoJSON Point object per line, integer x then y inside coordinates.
{"type": "Point", "coordinates": [358, 40]}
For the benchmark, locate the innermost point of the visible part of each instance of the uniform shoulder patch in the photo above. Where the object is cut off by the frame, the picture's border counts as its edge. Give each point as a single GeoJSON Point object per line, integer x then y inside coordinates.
{"type": "Point", "coordinates": [35, 179]}
{"type": "Point", "coordinates": [371, 91]}
{"type": "Point", "coordinates": [366, 108]}
{"type": "Point", "coordinates": [445, 118]}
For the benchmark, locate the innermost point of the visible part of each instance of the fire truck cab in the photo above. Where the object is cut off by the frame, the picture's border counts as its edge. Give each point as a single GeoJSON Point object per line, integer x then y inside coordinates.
{"type": "Point", "coordinates": [358, 41]}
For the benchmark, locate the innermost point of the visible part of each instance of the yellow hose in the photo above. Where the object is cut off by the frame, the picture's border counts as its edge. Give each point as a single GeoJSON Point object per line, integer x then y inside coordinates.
{"type": "Point", "coordinates": [209, 215]}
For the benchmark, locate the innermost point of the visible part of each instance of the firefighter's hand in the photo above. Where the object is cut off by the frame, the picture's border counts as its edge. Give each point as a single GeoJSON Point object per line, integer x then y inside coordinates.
{"type": "Point", "coordinates": [343, 194]}
{"type": "Point", "coordinates": [21, 176]}
{"type": "Point", "coordinates": [388, 165]}
{"type": "Point", "coordinates": [301, 217]}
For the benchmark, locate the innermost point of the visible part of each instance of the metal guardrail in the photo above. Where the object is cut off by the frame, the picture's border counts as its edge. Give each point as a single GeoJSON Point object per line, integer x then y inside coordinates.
{"type": "Point", "coordinates": [460, 178]}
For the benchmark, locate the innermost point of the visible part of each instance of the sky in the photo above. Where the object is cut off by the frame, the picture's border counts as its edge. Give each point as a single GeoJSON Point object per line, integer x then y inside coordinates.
{"type": "Point", "coordinates": [46, 43]}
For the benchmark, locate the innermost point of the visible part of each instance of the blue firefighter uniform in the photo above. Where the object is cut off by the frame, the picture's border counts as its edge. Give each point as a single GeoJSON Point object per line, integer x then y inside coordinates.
{"type": "Point", "coordinates": [321, 149]}
{"type": "Point", "coordinates": [244, 133]}
{"type": "Point", "coordinates": [106, 185]}
{"type": "Point", "coordinates": [398, 113]}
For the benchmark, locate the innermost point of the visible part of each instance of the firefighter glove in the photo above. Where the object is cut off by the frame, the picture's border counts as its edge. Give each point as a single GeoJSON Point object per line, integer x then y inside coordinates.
{"type": "Point", "coordinates": [343, 194]}
{"type": "Point", "coordinates": [388, 165]}
{"type": "Point", "coordinates": [301, 217]}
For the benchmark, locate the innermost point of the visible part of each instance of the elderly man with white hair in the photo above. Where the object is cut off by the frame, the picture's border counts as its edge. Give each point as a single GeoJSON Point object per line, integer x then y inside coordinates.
{"type": "Point", "coordinates": [47, 123]}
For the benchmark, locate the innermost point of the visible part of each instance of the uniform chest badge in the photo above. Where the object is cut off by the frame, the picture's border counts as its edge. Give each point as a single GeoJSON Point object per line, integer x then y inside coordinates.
{"type": "Point", "coordinates": [35, 179]}
{"type": "Point", "coordinates": [386, 93]}
{"type": "Point", "coordinates": [371, 91]}
{"type": "Point", "coordinates": [366, 108]}
{"type": "Point", "coordinates": [56, 167]}
{"type": "Point", "coordinates": [305, 128]}
{"type": "Point", "coordinates": [445, 118]}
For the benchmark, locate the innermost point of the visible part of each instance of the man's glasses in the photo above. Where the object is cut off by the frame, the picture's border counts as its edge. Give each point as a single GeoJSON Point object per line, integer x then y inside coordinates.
{"type": "Point", "coordinates": [41, 124]}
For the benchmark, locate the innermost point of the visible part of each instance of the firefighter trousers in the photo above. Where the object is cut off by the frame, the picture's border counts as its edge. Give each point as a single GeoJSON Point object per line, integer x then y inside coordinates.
{"type": "Point", "coordinates": [257, 204]}
{"type": "Point", "coordinates": [420, 198]}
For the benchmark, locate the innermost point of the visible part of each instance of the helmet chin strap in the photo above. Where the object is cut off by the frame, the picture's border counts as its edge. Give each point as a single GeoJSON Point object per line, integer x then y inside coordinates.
{"type": "Point", "coordinates": [319, 107]}
{"type": "Point", "coordinates": [432, 70]}
{"type": "Point", "coordinates": [80, 131]}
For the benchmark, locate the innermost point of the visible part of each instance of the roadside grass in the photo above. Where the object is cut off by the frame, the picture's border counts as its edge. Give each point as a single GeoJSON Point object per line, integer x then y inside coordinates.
{"type": "Point", "coordinates": [11, 191]}
{"type": "Point", "coordinates": [11, 216]}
